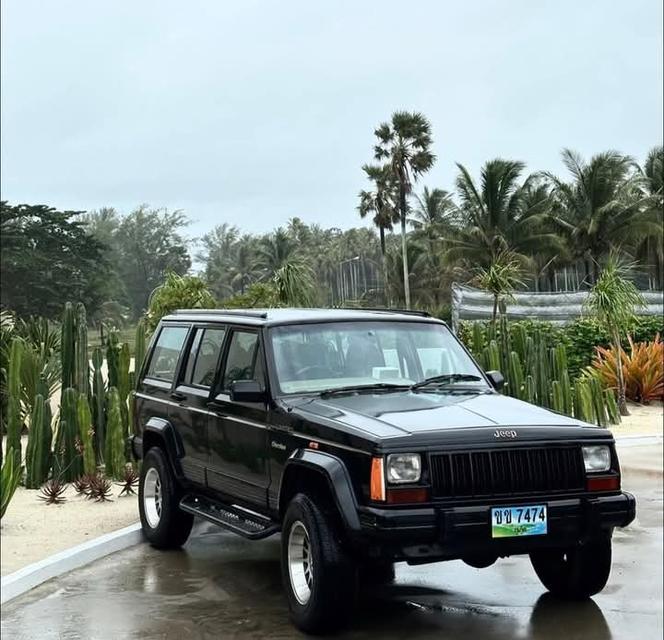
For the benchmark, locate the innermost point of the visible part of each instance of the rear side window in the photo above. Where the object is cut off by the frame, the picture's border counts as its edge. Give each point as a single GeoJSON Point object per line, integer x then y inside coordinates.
{"type": "Point", "coordinates": [166, 352]}
{"type": "Point", "coordinates": [207, 357]}
{"type": "Point", "coordinates": [241, 359]}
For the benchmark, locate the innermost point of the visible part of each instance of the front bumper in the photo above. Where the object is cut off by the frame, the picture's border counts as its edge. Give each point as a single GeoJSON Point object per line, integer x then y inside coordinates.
{"type": "Point", "coordinates": [448, 532]}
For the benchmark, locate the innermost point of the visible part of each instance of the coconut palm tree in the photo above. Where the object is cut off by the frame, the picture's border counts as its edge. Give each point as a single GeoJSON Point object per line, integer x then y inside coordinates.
{"type": "Point", "coordinates": [404, 145]}
{"type": "Point", "coordinates": [274, 250]}
{"type": "Point", "coordinates": [603, 206]}
{"type": "Point", "coordinates": [380, 202]}
{"type": "Point", "coordinates": [501, 214]}
{"type": "Point", "coordinates": [651, 250]}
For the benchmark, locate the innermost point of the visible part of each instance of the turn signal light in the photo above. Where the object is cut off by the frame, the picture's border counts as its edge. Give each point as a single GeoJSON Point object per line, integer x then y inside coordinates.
{"type": "Point", "coordinates": [377, 480]}
{"type": "Point", "coordinates": [406, 496]}
{"type": "Point", "coordinates": [603, 483]}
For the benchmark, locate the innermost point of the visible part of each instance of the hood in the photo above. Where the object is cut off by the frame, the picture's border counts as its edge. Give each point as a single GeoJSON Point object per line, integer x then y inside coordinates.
{"type": "Point", "coordinates": [391, 415]}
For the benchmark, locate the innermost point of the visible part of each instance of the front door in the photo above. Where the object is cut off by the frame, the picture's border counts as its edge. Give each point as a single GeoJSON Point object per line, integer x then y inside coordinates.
{"type": "Point", "coordinates": [189, 411]}
{"type": "Point", "coordinates": [237, 432]}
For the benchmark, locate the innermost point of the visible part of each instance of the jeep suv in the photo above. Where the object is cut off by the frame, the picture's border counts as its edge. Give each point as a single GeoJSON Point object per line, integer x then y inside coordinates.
{"type": "Point", "coordinates": [366, 438]}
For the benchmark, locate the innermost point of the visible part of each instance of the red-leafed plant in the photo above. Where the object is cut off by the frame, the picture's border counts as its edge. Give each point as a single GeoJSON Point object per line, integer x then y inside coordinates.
{"type": "Point", "coordinates": [642, 367]}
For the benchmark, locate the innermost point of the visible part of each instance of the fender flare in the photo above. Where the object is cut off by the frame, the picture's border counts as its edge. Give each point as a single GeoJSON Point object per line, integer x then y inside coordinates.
{"type": "Point", "coordinates": [338, 479]}
{"type": "Point", "coordinates": [173, 447]}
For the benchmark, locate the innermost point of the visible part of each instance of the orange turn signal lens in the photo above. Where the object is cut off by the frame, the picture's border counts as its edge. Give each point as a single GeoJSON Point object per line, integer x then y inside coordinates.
{"type": "Point", "coordinates": [377, 480]}
{"type": "Point", "coordinates": [407, 496]}
{"type": "Point", "coordinates": [603, 483]}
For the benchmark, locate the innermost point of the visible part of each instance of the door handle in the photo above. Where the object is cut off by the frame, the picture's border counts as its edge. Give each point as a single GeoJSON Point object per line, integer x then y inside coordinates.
{"type": "Point", "coordinates": [180, 397]}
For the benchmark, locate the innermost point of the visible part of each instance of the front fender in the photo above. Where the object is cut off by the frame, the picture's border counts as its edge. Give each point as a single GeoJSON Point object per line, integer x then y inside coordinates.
{"type": "Point", "coordinates": [337, 477]}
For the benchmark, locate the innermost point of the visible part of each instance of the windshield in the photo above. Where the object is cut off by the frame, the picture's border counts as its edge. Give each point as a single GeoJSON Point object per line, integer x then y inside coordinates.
{"type": "Point", "coordinates": [326, 356]}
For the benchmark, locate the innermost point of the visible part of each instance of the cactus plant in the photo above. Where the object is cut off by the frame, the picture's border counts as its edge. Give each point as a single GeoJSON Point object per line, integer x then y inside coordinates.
{"type": "Point", "coordinates": [69, 464]}
{"type": "Point", "coordinates": [99, 402]}
{"type": "Point", "coordinates": [82, 367]}
{"type": "Point", "coordinates": [86, 433]}
{"type": "Point", "coordinates": [112, 357]}
{"type": "Point", "coordinates": [10, 476]}
{"type": "Point", "coordinates": [611, 406]}
{"type": "Point", "coordinates": [114, 451]}
{"type": "Point", "coordinates": [124, 385]}
{"type": "Point", "coordinates": [38, 455]}
{"type": "Point", "coordinates": [530, 393]}
{"type": "Point", "coordinates": [515, 376]}
{"type": "Point", "coordinates": [14, 413]}
{"type": "Point", "coordinates": [599, 408]}
{"type": "Point", "coordinates": [68, 347]}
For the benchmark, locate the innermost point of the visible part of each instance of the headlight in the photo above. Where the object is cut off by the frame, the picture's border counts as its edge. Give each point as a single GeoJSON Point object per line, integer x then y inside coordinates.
{"type": "Point", "coordinates": [403, 467]}
{"type": "Point", "coordinates": [597, 458]}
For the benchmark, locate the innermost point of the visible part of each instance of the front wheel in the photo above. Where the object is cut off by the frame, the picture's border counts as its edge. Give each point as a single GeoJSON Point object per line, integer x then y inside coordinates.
{"type": "Point", "coordinates": [318, 575]}
{"type": "Point", "coordinates": [164, 524]}
{"type": "Point", "coordinates": [575, 573]}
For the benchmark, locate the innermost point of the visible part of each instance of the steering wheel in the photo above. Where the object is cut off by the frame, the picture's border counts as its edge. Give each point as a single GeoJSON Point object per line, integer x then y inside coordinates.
{"type": "Point", "coordinates": [310, 369]}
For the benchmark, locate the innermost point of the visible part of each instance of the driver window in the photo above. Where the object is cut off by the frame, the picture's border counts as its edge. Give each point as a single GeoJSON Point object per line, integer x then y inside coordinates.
{"type": "Point", "coordinates": [242, 361]}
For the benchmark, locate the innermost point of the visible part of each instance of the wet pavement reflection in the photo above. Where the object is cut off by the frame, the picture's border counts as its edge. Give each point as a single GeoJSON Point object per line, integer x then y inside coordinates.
{"type": "Point", "coordinates": [221, 586]}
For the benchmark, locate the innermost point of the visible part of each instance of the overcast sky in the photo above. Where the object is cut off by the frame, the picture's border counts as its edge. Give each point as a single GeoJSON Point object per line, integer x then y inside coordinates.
{"type": "Point", "coordinates": [255, 112]}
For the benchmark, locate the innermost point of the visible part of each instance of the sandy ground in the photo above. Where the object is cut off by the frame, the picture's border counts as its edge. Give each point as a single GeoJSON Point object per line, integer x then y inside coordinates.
{"type": "Point", "coordinates": [32, 530]}
{"type": "Point", "coordinates": [642, 420]}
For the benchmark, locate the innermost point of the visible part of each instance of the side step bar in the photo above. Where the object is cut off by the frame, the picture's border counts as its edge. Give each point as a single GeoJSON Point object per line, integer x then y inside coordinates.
{"type": "Point", "coordinates": [232, 517]}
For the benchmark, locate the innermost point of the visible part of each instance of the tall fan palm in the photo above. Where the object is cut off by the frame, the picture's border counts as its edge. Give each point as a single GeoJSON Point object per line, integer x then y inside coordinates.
{"type": "Point", "coordinates": [651, 250]}
{"type": "Point", "coordinates": [404, 145]}
{"type": "Point", "coordinates": [602, 207]}
{"type": "Point", "coordinates": [501, 214]}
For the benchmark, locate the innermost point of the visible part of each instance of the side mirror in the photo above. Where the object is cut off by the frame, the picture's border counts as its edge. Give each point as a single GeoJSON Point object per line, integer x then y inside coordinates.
{"type": "Point", "coordinates": [496, 379]}
{"type": "Point", "coordinates": [247, 391]}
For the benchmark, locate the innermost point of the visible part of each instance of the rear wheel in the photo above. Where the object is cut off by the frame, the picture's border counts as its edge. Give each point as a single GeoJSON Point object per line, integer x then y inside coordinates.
{"type": "Point", "coordinates": [575, 573]}
{"type": "Point", "coordinates": [164, 524]}
{"type": "Point", "coordinates": [318, 575]}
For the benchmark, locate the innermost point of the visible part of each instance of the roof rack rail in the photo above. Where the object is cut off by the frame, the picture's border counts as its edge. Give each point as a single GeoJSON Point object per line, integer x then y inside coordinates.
{"type": "Point", "coordinates": [412, 312]}
{"type": "Point", "coordinates": [247, 313]}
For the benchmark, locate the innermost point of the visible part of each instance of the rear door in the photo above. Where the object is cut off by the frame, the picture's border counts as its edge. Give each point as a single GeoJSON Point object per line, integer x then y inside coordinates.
{"type": "Point", "coordinates": [189, 411]}
{"type": "Point", "coordinates": [238, 433]}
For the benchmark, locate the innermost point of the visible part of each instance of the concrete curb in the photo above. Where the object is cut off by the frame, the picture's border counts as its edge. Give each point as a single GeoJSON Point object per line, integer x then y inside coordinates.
{"type": "Point", "coordinates": [17, 583]}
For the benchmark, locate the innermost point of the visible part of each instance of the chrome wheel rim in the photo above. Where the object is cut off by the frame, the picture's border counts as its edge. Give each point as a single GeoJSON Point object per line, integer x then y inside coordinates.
{"type": "Point", "coordinates": [152, 497]}
{"type": "Point", "coordinates": [300, 562]}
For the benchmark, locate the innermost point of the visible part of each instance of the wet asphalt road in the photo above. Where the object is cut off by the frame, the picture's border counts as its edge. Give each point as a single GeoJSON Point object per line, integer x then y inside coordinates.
{"type": "Point", "coordinates": [221, 586]}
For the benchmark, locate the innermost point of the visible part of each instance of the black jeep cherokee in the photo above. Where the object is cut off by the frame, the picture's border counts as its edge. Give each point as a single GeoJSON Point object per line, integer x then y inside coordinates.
{"type": "Point", "coordinates": [366, 438]}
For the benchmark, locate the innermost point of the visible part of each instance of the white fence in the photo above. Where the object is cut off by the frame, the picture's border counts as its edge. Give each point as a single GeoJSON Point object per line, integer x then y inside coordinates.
{"type": "Point", "coordinates": [475, 304]}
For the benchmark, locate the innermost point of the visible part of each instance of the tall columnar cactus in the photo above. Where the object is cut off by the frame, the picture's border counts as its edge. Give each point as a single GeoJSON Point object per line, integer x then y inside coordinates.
{"type": "Point", "coordinates": [99, 401]}
{"type": "Point", "coordinates": [114, 455]}
{"type": "Point", "coordinates": [124, 385]}
{"type": "Point", "coordinates": [69, 464]}
{"type": "Point", "coordinates": [611, 406]}
{"type": "Point", "coordinates": [598, 402]}
{"type": "Point", "coordinates": [14, 414]}
{"type": "Point", "coordinates": [38, 457]}
{"type": "Point", "coordinates": [112, 357]}
{"type": "Point", "coordinates": [82, 368]}
{"type": "Point", "coordinates": [515, 376]}
{"type": "Point", "coordinates": [139, 348]}
{"type": "Point", "coordinates": [86, 433]}
{"type": "Point", "coordinates": [68, 347]}
{"type": "Point", "coordinates": [530, 394]}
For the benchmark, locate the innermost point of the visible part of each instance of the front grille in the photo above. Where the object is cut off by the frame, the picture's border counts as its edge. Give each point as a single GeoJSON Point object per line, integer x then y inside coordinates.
{"type": "Point", "coordinates": [504, 472]}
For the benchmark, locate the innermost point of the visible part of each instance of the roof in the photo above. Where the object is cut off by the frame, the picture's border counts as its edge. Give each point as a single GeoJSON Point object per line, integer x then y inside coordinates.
{"type": "Point", "coordinates": [273, 317]}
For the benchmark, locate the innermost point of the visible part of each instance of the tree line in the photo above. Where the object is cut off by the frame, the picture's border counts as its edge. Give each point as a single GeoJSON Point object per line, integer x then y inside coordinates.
{"type": "Point", "coordinates": [550, 232]}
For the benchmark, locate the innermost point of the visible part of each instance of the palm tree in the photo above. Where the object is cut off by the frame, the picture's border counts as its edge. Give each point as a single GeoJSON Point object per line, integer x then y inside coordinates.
{"type": "Point", "coordinates": [614, 300]}
{"type": "Point", "coordinates": [652, 248]}
{"type": "Point", "coordinates": [381, 204]}
{"type": "Point", "coordinates": [501, 214]}
{"type": "Point", "coordinates": [404, 145]}
{"type": "Point", "coordinates": [274, 250]}
{"type": "Point", "coordinates": [501, 278]}
{"type": "Point", "coordinates": [602, 207]}
{"type": "Point", "coordinates": [435, 209]}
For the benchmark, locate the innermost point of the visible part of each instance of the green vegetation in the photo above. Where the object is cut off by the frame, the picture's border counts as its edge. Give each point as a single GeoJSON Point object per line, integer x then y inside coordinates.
{"type": "Point", "coordinates": [10, 477]}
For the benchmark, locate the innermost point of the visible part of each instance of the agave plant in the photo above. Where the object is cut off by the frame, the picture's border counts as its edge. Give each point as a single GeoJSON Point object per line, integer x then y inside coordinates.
{"type": "Point", "coordinates": [82, 485]}
{"type": "Point", "coordinates": [52, 491]}
{"type": "Point", "coordinates": [642, 369]}
{"type": "Point", "coordinates": [129, 481]}
{"type": "Point", "coordinates": [100, 488]}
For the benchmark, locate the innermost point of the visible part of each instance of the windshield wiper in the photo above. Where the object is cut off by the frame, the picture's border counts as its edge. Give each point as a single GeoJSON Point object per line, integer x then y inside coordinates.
{"type": "Point", "coordinates": [378, 386]}
{"type": "Point", "coordinates": [447, 378]}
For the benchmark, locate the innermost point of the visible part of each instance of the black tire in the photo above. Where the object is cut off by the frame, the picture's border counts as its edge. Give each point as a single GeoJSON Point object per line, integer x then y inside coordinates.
{"type": "Point", "coordinates": [576, 573]}
{"type": "Point", "coordinates": [377, 572]}
{"type": "Point", "coordinates": [333, 579]}
{"type": "Point", "coordinates": [170, 528]}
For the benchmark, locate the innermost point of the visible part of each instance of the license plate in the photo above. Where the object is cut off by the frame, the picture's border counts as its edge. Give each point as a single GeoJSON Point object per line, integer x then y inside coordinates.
{"type": "Point", "coordinates": [508, 522]}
